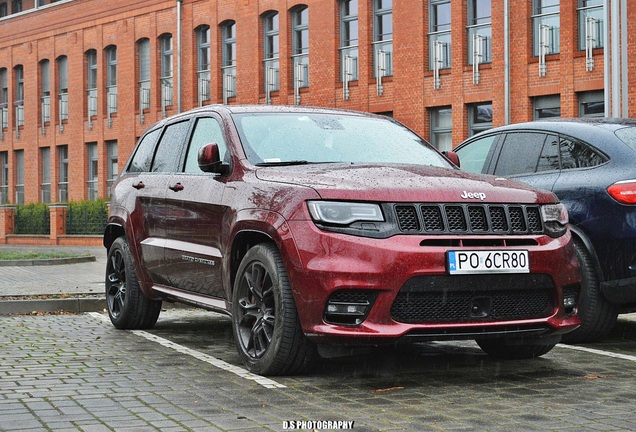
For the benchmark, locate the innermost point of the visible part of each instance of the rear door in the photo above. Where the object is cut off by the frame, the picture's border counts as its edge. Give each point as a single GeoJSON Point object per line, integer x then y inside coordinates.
{"type": "Point", "coordinates": [194, 249]}
{"type": "Point", "coordinates": [529, 156]}
{"type": "Point", "coordinates": [154, 211]}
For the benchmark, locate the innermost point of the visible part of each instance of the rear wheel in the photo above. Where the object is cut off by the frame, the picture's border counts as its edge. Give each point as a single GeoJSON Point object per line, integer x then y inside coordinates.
{"type": "Point", "coordinates": [598, 316]}
{"type": "Point", "coordinates": [267, 332]}
{"type": "Point", "coordinates": [128, 307]}
{"type": "Point", "coordinates": [517, 348]}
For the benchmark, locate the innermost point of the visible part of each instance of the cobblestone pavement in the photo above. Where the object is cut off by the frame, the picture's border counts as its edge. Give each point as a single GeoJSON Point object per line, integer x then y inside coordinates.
{"type": "Point", "coordinates": [76, 372]}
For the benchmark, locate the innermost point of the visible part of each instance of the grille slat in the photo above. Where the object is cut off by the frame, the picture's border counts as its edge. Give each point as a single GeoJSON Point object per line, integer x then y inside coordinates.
{"type": "Point", "coordinates": [469, 218]}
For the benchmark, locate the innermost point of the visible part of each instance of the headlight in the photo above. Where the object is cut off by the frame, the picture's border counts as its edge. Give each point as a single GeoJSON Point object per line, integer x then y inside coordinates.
{"type": "Point", "coordinates": [555, 219]}
{"type": "Point", "coordinates": [344, 213]}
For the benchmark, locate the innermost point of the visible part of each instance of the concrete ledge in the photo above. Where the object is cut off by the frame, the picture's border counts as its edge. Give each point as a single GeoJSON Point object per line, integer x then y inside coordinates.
{"type": "Point", "coordinates": [73, 305]}
{"type": "Point", "coordinates": [46, 262]}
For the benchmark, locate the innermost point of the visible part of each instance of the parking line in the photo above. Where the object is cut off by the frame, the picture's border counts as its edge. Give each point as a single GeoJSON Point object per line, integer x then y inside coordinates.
{"type": "Point", "coordinates": [243, 373]}
{"type": "Point", "coordinates": [599, 352]}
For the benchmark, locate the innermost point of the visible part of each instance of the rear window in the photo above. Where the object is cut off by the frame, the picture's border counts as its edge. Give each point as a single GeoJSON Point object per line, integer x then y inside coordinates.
{"type": "Point", "coordinates": [628, 136]}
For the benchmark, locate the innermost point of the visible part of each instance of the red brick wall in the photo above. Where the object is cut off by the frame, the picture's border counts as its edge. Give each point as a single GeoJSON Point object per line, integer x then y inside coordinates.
{"type": "Point", "coordinates": [72, 28]}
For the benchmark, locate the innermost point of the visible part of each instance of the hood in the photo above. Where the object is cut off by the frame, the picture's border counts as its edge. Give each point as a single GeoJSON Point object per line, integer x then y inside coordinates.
{"type": "Point", "coordinates": [403, 183]}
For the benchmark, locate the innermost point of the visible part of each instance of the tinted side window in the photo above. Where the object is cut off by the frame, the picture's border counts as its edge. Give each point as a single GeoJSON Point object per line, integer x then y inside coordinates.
{"type": "Point", "coordinates": [577, 155]}
{"type": "Point", "coordinates": [549, 159]}
{"type": "Point", "coordinates": [169, 149]}
{"type": "Point", "coordinates": [143, 156]}
{"type": "Point", "coordinates": [207, 130]}
{"type": "Point", "coordinates": [520, 153]}
{"type": "Point", "coordinates": [473, 156]}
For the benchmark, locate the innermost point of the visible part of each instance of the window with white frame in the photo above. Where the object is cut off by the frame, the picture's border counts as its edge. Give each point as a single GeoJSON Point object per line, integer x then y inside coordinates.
{"type": "Point", "coordinates": [228, 68]}
{"type": "Point", "coordinates": [546, 106]}
{"type": "Point", "coordinates": [45, 92]}
{"type": "Point", "coordinates": [4, 100]}
{"type": "Point", "coordinates": [382, 38]}
{"type": "Point", "coordinates": [348, 41]}
{"type": "Point", "coordinates": [300, 48]}
{"type": "Point", "coordinates": [143, 84]}
{"type": "Point", "coordinates": [62, 180]}
{"type": "Point", "coordinates": [442, 128]}
{"type": "Point", "coordinates": [19, 176]}
{"type": "Point", "coordinates": [93, 170]}
{"type": "Point", "coordinates": [439, 36]}
{"type": "Point", "coordinates": [113, 165]}
{"type": "Point", "coordinates": [480, 117]}
{"type": "Point", "coordinates": [479, 31]}
{"type": "Point", "coordinates": [166, 56]}
{"type": "Point", "coordinates": [45, 185]}
{"type": "Point", "coordinates": [91, 83]}
{"type": "Point", "coordinates": [4, 177]}
{"type": "Point", "coordinates": [111, 79]}
{"type": "Point", "coordinates": [203, 63]}
{"type": "Point", "coordinates": [546, 24]}
{"type": "Point", "coordinates": [590, 24]}
{"type": "Point", "coordinates": [62, 83]}
{"type": "Point", "coordinates": [270, 54]}
{"type": "Point", "coordinates": [19, 95]}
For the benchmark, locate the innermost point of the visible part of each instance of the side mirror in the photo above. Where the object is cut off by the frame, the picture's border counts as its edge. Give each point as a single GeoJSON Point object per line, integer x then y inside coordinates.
{"type": "Point", "coordinates": [210, 160]}
{"type": "Point", "coordinates": [452, 156]}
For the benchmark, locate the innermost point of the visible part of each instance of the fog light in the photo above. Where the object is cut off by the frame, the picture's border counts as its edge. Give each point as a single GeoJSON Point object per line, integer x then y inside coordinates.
{"type": "Point", "coordinates": [349, 307]}
{"type": "Point", "coordinates": [569, 302]}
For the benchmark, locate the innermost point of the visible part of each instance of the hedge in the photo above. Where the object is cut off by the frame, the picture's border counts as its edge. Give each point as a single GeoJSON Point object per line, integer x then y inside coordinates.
{"type": "Point", "coordinates": [33, 219]}
{"type": "Point", "coordinates": [86, 217]}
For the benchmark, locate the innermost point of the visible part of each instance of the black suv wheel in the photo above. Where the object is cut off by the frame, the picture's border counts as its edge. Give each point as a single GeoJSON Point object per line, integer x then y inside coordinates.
{"type": "Point", "coordinates": [267, 332]}
{"type": "Point", "coordinates": [128, 307]}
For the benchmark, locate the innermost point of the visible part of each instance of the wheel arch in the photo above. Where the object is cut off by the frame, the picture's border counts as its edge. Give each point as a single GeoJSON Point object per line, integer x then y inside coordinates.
{"type": "Point", "coordinates": [111, 233]}
{"type": "Point", "coordinates": [578, 234]}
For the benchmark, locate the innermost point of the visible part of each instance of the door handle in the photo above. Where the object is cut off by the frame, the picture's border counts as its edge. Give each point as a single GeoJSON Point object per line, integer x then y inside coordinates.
{"type": "Point", "coordinates": [178, 187]}
{"type": "Point", "coordinates": [139, 185]}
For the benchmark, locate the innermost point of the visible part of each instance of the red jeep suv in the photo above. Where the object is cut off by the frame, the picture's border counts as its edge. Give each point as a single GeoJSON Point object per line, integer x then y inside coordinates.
{"type": "Point", "coordinates": [315, 227]}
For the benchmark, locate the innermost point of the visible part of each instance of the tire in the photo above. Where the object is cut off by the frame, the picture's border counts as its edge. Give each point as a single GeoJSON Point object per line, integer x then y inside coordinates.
{"type": "Point", "coordinates": [598, 316]}
{"type": "Point", "coordinates": [128, 307]}
{"type": "Point", "coordinates": [267, 332]}
{"type": "Point", "coordinates": [517, 349]}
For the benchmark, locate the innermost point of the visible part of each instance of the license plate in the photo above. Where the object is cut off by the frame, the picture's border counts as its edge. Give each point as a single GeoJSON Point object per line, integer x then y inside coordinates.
{"type": "Point", "coordinates": [488, 261]}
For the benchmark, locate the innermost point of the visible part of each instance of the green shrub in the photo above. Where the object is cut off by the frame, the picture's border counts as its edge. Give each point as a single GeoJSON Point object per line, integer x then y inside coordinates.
{"type": "Point", "coordinates": [33, 219]}
{"type": "Point", "coordinates": [86, 217]}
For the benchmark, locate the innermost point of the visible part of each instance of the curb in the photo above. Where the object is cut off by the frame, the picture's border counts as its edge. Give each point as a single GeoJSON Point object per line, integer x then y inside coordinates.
{"type": "Point", "coordinates": [46, 262]}
{"type": "Point", "coordinates": [72, 305]}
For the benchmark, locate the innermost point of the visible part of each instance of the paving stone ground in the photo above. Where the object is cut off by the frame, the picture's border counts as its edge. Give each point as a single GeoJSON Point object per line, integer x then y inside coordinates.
{"type": "Point", "coordinates": [73, 372]}
{"type": "Point", "coordinates": [76, 372]}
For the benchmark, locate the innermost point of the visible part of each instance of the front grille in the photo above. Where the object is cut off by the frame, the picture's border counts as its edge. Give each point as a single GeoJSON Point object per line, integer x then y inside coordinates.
{"type": "Point", "coordinates": [474, 298]}
{"type": "Point", "coordinates": [468, 218]}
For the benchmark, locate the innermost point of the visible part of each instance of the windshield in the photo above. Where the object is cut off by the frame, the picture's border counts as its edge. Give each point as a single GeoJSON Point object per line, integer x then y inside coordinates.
{"type": "Point", "coordinates": [286, 138]}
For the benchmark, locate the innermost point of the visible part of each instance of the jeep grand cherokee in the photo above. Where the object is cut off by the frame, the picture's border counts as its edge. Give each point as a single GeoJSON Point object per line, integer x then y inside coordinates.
{"type": "Point", "coordinates": [315, 227]}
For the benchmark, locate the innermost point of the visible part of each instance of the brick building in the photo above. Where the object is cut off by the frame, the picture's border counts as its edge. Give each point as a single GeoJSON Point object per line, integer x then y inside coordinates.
{"type": "Point", "coordinates": [80, 80]}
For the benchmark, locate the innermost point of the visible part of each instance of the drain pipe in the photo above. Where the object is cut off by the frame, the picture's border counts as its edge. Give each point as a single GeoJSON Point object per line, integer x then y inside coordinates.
{"type": "Point", "coordinates": [506, 62]}
{"type": "Point", "coordinates": [179, 55]}
{"type": "Point", "coordinates": [607, 83]}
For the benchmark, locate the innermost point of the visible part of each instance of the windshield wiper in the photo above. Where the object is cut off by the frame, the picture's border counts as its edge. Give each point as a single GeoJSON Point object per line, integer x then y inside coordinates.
{"type": "Point", "coordinates": [283, 163]}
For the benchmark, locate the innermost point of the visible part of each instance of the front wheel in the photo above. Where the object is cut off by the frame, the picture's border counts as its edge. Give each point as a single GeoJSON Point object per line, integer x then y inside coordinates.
{"type": "Point", "coordinates": [267, 332]}
{"type": "Point", "coordinates": [518, 349]}
{"type": "Point", "coordinates": [128, 307]}
{"type": "Point", "coordinates": [598, 316]}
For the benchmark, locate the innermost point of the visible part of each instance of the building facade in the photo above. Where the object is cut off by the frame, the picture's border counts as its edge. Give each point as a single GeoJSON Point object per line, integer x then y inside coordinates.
{"type": "Point", "coordinates": [80, 80]}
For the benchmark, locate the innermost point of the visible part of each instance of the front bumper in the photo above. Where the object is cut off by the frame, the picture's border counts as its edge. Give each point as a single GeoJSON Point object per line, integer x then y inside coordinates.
{"type": "Point", "coordinates": [400, 273]}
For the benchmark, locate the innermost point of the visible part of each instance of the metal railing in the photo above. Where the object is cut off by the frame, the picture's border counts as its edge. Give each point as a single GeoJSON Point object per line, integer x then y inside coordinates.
{"type": "Point", "coordinates": [229, 82]}
{"type": "Point", "coordinates": [63, 109]}
{"type": "Point", "coordinates": [91, 106]}
{"type": "Point", "coordinates": [203, 78]}
{"type": "Point", "coordinates": [144, 99]}
{"type": "Point", "coordinates": [301, 75]}
{"type": "Point", "coordinates": [348, 68]}
{"type": "Point", "coordinates": [166, 95]}
{"type": "Point", "coordinates": [272, 82]}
